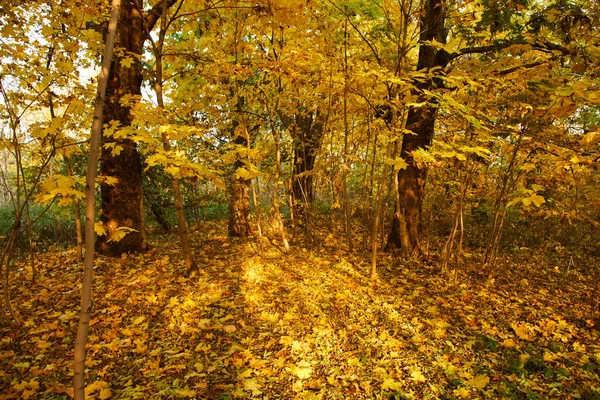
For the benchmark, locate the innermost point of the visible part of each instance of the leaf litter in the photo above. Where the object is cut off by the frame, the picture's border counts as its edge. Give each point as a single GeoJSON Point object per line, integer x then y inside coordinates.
{"type": "Point", "coordinates": [307, 325]}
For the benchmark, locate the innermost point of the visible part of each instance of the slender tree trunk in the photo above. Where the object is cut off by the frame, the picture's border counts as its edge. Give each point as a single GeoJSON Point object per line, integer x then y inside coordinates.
{"type": "Point", "coordinates": [190, 263]}
{"type": "Point", "coordinates": [457, 227]}
{"type": "Point", "coordinates": [400, 217]}
{"type": "Point", "coordinates": [86, 289]}
{"type": "Point", "coordinates": [278, 218]}
{"type": "Point", "coordinates": [79, 250]}
{"type": "Point", "coordinates": [159, 214]}
{"type": "Point", "coordinates": [79, 233]}
{"type": "Point", "coordinates": [421, 121]}
{"type": "Point", "coordinates": [378, 214]}
{"type": "Point", "coordinates": [500, 207]}
{"type": "Point", "coordinates": [346, 164]}
{"type": "Point", "coordinates": [143, 237]}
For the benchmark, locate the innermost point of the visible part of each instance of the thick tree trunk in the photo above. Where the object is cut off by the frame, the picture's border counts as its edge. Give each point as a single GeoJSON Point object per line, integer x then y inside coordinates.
{"type": "Point", "coordinates": [421, 121]}
{"type": "Point", "coordinates": [307, 130]}
{"type": "Point", "coordinates": [239, 207]}
{"type": "Point", "coordinates": [121, 199]}
{"type": "Point", "coordinates": [239, 200]}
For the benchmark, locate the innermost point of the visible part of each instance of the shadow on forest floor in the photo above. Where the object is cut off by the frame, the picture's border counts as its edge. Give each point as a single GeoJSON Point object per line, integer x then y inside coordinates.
{"type": "Point", "coordinates": [304, 325]}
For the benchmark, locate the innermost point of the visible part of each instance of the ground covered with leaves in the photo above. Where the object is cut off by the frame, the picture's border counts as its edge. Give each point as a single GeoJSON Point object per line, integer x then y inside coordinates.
{"type": "Point", "coordinates": [307, 325]}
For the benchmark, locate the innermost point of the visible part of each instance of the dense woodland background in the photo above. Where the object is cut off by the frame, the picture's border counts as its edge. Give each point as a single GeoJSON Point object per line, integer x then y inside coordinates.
{"type": "Point", "coordinates": [304, 198]}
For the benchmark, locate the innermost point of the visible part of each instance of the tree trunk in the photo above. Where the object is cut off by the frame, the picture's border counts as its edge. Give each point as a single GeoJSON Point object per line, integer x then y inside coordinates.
{"type": "Point", "coordinates": [121, 199]}
{"type": "Point", "coordinates": [421, 121]}
{"type": "Point", "coordinates": [90, 202]}
{"type": "Point", "coordinates": [188, 256]}
{"type": "Point", "coordinates": [278, 219]}
{"type": "Point", "coordinates": [307, 129]}
{"type": "Point", "coordinates": [79, 250]}
{"type": "Point", "coordinates": [239, 201]}
{"type": "Point", "coordinates": [239, 208]}
{"type": "Point", "coordinates": [302, 185]}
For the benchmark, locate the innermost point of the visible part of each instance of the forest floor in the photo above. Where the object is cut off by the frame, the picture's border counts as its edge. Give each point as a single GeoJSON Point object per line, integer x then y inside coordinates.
{"type": "Point", "coordinates": [307, 325]}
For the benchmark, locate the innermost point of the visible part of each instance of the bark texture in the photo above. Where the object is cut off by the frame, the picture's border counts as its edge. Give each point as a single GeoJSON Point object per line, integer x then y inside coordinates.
{"type": "Point", "coordinates": [421, 121]}
{"type": "Point", "coordinates": [307, 130]}
{"type": "Point", "coordinates": [121, 201]}
{"type": "Point", "coordinates": [239, 207]}
{"type": "Point", "coordinates": [239, 191]}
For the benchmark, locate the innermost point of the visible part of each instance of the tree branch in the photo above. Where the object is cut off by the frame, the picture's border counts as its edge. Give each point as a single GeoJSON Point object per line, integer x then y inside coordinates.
{"type": "Point", "coordinates": [504, 44]}
{"type": "Point", "coordinates": [154, 14]}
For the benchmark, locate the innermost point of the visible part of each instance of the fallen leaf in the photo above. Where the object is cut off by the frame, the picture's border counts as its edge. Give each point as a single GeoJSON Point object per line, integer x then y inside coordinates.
{"type": "Point", "coordinates": [479, 382]}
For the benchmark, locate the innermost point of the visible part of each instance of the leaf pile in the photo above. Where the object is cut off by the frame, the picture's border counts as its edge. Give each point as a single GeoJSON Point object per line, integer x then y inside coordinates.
{"type": "Point", "coordinates": [307, 325]}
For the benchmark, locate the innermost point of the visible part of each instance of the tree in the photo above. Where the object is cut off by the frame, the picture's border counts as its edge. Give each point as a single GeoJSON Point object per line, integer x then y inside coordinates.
{"type": "Point", "coordinates": [90, 203]}
{"type": "Point", "coordinates": [120, 163]}
{"type": "Point", "coordinates": [157, 47]}
{"type": "Point", "coordinates": [421, 123]}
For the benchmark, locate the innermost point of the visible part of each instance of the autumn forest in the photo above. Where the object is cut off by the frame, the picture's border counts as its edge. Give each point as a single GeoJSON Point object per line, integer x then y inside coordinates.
{"type": "Point", "coordinates": [300, 199]}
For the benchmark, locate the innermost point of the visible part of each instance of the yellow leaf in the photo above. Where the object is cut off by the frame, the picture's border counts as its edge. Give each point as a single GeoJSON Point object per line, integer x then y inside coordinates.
{"type": "Point", "coordinates": [442, 324]}
{"type": "Point", "coordinates": [391, 384]}
{"type": "Point", "coordinates": [120, 233]}
{"type": "Point", "coordinates": [99, 229]}
{"type": "Point", "coordinates": [33, 384]}
{"type": "Point", "coordinates": [551, 356]}
{"type": "Point", "coordinates": [439, 333]}
{"type": "Point", "coordinates": [173, 171]}
{"type": "Point", "coordinates": [462, 393]}
{"type": "Point", "coordinates": [591, 138]}
{"type": "Point", "coordinates": [219, 184]}
{"type": "Point", "coordinates": [245, 174]}
{"type": "Point", "coordinates": [105, 394]}
{"type": "Point", "coordinates": [286, 340]}
{"type": "Point", "coordinates": [297, 386]}
{"type": "Point", "coordinates": [127, 332]}
{"type": "Point", "coordinates": [185, 393]}
{"type": "Point", "coordinates": [417, 375]}
{"type": "Point", "coordinates": [94, 387]}
{"type": "Point", "coordinates": [479, 382]}
{"type": "Point", "coordinates": [302, 370]}
{"type": "Point", "coordinates": [126, 62]}
{"type": "Point", "coordinates": [398, 163]}
{"type": "Point", "coordinates": [537, 200]}
{"type": "Point", "coordinates": [524, 331]}
{"type": "Point", "coordinates": [251, 384]}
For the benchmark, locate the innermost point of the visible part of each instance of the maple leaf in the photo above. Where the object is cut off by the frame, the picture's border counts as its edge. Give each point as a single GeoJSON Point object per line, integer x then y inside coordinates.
{"type": "Point", "coordinates": [99, 228]}
{"type": "Point", "coordinates": [120, 233]}
{"type": "Point", "coordinates": [391, 384]}
{"type": "Point", "coordinates": [462, 393]}
{"type": "Point", "coordinates": [524, 331]}
{"type": "Point", "coordinates": [302, 370]}
{"type": "Point", "coordinates": [479, 381]}
{"type": "Point", "coordinates": [417, 376]}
